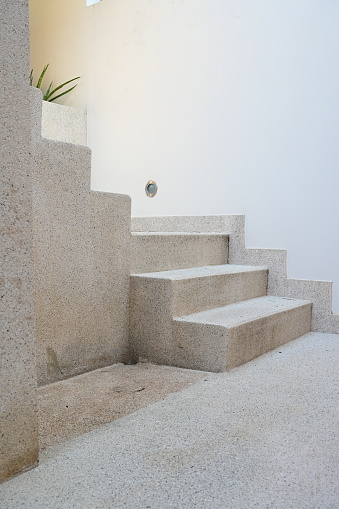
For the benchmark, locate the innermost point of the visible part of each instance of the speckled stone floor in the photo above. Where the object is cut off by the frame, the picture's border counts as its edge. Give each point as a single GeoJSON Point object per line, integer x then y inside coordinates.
{"type": "Point", "coordinates": [82, 403]}
{"type": "Point", "coordinates": [264, 435]}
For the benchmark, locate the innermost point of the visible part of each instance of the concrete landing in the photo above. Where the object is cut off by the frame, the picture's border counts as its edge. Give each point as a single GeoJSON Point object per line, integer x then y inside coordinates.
{"type": "Point", "coordinates": [264, 435]}
{"type": "Point", "coordinates": [85, 402]}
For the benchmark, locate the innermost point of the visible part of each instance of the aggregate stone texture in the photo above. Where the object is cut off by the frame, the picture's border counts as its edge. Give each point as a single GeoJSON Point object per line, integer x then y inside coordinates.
{"type": "Point", "coordinates": [221, 224]}
{"type": "Point", "coordinates": [223, 338]}
{"type": "Point", "coordinates": [62, 123]}
{"type": "Point", "coordinates": [167, 251]}
{"type": "Point", "coordinates": [155, 298]}
{"type": "Point", "coordinates": [264, 435]}
{"type": "Point", "coordinates": [18, 403]}
{"type": "Point", "coordinates": [81, 264]}
{"type": "Point", "coordinates": [318, 292]}
{"type": "Point", "coordinates": [82, 403]}
{"type": "Point", "coordinates": [173, 316]}
{"type": "Point", "coordinates": [211, 286]}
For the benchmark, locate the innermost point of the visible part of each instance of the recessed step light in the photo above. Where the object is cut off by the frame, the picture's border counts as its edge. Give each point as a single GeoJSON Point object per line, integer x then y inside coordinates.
{"type": "Point", "coordinates": [151, 188]}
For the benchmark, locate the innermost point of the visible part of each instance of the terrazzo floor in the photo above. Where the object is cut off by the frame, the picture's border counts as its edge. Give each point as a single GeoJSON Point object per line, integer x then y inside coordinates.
{"type": "Point", "coordinates": [264, 435]}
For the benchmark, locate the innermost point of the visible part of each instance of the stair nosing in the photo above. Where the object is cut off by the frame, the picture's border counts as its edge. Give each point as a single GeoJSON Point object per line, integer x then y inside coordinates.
{"type": "Point", "coordinates": [182, 234]}
{"type": "Point", "coordinates": [164, 274]}
{"type": "Point", "coordinates": [299, 303]}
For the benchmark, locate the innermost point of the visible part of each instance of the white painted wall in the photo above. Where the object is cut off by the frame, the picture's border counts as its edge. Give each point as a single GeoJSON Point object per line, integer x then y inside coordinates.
{"type": "Point", "coordinates": [232, 107]}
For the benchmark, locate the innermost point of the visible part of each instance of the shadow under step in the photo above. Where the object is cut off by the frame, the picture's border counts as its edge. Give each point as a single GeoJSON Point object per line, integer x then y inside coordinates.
{"type": "Point", "coordinates": [226, 337]}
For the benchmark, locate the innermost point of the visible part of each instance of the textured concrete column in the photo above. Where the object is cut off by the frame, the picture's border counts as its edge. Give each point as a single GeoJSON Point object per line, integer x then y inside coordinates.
{"type": "Point", "coordinates": [18, 405]}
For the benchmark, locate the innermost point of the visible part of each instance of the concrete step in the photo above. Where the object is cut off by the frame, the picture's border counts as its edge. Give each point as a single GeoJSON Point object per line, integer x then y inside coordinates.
{"type": "Point", "coordinates": [226, 337]}
{"type": "Point", "coordinates": [199, 288]}
{"type": "Point", "coordinates": [158, 251]}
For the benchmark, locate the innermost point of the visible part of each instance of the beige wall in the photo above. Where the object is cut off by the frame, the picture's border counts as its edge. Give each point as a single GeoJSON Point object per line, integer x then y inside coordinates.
{"type": "Point", "coordinates": [59, 36]}
{"type": "Point", "coordinates": [18, 404]}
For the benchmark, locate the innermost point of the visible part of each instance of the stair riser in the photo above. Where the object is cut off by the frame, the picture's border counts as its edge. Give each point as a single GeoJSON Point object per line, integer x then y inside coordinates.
{"type": "Point", "coordinates": [154, 302]}
{"type": "Point", "coordinates": [215, 348]}
{"type": "Point", "coordinates": [198, 346]}
{"type": "Point", "coordinates": [153, 253]}
{"type": "Point", "coordinates": [256, 338]}
{"type": "Point", "coordinates": [198, 294]}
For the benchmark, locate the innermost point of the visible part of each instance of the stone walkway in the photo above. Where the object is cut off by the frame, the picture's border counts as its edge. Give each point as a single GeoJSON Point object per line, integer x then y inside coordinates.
{"type": "Point", "coordinates": [264, 435]}
{"type": "Point", "coordinates": [82, 403]}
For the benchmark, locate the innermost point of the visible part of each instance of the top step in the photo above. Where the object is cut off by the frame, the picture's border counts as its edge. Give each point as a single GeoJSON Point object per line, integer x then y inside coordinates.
{"type": "Point", "coordinates": [158, 251]}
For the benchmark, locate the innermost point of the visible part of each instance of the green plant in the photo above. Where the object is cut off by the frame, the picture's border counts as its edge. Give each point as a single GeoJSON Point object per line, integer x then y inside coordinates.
{"type": "Point", "coordinates": [47, 96]}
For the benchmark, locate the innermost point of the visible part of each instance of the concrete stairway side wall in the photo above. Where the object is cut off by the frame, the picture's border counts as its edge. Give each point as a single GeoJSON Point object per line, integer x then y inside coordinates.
{"type": "Point", "coordinates": [18, 401]}
{"type": "Point", "coordinates": [81, 262]}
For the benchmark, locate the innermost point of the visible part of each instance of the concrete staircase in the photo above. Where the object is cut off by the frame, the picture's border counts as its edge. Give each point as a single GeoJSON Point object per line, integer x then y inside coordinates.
{"type": "Point", "coordinates": [190, 308]}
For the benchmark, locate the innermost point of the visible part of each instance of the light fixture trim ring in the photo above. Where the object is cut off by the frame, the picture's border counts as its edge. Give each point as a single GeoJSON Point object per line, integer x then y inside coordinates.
{"type": "Point", "coordinates": [151, 188]}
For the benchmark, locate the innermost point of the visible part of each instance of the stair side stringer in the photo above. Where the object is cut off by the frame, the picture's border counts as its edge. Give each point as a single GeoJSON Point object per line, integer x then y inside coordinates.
{"type": "Point", "coordinates": [318, 292]}
{"type": "Point", "coordinates": [81, 244]}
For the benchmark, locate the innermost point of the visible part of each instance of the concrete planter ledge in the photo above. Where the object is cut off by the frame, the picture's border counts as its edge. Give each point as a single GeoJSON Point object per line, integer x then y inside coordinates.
{"type": "Point", "coordinates": [63, 123]}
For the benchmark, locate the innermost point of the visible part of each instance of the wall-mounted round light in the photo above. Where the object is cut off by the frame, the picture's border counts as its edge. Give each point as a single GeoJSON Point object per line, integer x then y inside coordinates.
{"type": "Point", "coordinates": [151, 188]}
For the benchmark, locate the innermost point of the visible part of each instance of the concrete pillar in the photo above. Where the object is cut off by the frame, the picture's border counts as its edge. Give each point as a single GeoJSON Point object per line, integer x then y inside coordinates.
{"type": "Point", "coordinates": [18, 402]}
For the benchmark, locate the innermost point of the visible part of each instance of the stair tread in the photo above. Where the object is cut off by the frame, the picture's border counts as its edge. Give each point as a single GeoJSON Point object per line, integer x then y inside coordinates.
{"type": "Point", "coordinates": [198, 272]}
{"type": "Point", "coordinates": [182, 234]}
{"type": "Point", "coordinates": [239, 313]}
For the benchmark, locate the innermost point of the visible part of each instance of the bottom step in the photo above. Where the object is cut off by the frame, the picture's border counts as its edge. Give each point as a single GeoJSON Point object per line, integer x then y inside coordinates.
{"type": "Point", "coordinates": [222, 338]}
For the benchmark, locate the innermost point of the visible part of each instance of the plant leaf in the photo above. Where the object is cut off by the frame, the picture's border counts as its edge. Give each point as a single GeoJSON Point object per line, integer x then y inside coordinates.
{"type": "Point", "coordinates": [56, 97]}
{"type": "Point", "coordinates": [38, 85]}
{"type": "Point", "coordinates": [60, 86]}
{"type": "Point", "coordinates": [45, 96]}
